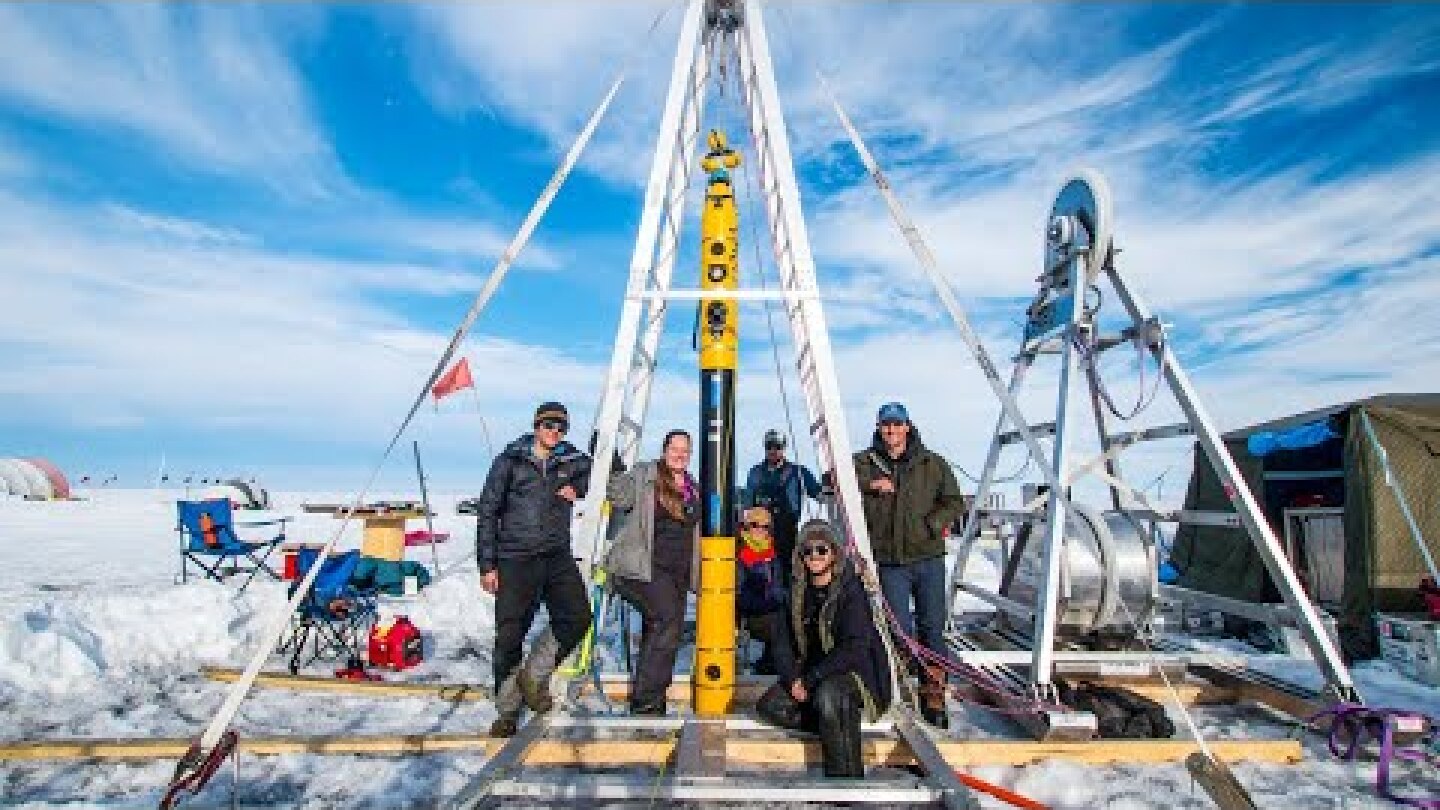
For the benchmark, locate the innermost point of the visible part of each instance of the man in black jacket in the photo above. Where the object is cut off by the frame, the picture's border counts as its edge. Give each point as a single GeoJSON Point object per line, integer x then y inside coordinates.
{"type": "Point", "coordinates": [833, 666]}
{"type": "Point", "coordinates": [522, 543]}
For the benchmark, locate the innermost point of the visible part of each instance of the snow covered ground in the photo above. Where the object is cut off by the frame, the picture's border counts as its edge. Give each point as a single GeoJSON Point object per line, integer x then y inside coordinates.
{"type": "Point", "coordinates": [98, 640]}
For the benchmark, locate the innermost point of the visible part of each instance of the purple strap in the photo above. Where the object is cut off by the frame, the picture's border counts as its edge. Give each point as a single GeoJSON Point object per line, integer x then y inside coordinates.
{"type": "Point", "coordinates": [1352, 725]}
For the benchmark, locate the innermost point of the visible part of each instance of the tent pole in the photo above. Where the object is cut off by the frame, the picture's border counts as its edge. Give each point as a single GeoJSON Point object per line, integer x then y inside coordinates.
{"type": "Point", "coordinates": [425, 502]}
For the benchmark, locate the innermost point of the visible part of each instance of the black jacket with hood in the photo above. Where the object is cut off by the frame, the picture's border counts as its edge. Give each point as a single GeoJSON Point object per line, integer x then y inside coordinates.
{"type": "Point", "coordinates": [519, 513]}
{"type": "Point", "coordinates": [850, 642]}
{"type": "Point", "coordinates": [909, 525]}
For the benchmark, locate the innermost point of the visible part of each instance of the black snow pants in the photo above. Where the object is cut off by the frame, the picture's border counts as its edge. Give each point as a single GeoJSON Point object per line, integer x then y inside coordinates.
{"type": "Point", "coordinates": [527, 582]}
{"type": "Point", "coordinates": [832, 711]}
{"type": "Point", "coordinates": [661, 603]}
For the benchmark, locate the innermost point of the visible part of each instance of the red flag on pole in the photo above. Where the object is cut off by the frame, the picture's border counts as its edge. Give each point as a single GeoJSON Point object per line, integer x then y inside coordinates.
{"type": "Point", "coordinates": [453, 380]}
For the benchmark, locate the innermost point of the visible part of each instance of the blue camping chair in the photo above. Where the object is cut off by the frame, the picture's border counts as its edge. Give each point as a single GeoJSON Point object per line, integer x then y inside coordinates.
{"type": "Point", "coordinates": [207, 532]}
{"type": "Point", "coordinates": [334, 620]}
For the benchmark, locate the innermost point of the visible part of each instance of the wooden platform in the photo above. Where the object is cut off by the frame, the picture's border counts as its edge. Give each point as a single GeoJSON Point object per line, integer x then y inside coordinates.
{"type": "Point", "coordinates": [791, 752]}
{"type": "Point", "coordinates": [452, 692]}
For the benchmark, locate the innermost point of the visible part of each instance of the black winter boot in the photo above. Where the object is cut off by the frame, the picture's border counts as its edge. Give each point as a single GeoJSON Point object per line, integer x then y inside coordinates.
{"type": "Point", "coordinates": [838, 704]}
{"type": "Point", "coordinates": [505, 725]}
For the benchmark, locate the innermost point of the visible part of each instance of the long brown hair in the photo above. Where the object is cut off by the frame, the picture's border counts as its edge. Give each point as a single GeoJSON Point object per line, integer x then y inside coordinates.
{"type": "Point", "coordinates": [671, 497]}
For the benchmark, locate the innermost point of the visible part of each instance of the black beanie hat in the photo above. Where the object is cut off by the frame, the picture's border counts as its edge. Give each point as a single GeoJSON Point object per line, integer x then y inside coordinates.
{"type": "Point", "coordinates": [551, 410]}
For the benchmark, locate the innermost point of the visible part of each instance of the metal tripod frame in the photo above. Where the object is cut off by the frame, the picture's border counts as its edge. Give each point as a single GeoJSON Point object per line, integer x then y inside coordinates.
{"type": "Point", "coordinates": [1078, 255]}
{"type": "Point", "coordinates": [620, 421]}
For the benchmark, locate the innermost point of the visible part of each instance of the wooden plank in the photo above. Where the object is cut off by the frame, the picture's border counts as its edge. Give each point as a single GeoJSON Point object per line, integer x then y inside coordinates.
{"type": "Point", "coordinates": [453, 692]}
{"type": "Point", "coordinates": [1190, 694]}
{"type": "Point", "coordinates": [738, 752]}
{"type": "Point", "coordinates": [1298, 706]}
{"type": "Point", "coordinates": [173, 748]}
{"type": "Point", "coordinates": [746, 692]}
{"type": "Point", "coordinates": [969, 753]}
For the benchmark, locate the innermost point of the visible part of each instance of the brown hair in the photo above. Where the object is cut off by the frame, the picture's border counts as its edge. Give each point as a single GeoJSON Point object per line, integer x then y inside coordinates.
{"type": "Point", "coordinates": [671, 497]}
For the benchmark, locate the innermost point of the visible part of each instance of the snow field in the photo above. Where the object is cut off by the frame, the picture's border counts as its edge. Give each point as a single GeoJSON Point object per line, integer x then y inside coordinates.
{"type": "Point", "coordinates": [98, 640]}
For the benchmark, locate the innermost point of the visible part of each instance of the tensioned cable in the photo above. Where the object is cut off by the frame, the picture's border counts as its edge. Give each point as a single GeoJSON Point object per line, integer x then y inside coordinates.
{"type": "Point", "coordinates": [750, 195]}
{"type": "Point", "coordinates": [1005, 479]}
{"type": "Point", "coordinates": [226, 715]}
{"type": "Point", "coordinates": [925, 257]}
{"type": "Point", "coordinates": [927, 263]}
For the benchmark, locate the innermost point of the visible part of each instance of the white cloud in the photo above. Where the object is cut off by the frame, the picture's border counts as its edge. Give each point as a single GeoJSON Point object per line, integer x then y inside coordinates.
{"type": "Point", "coordinates": [547, 65]}
{"type": "Point", "coordinates": [211, 86]}
{"type": "Point", "coordinates": [155, 320]}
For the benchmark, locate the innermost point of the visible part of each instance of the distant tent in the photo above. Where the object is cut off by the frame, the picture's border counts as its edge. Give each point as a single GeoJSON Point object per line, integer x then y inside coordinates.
{"type": "Point", "coordinates": [32, 478]}
{"type": "Point", "coordinates": [59, 487]}
{"type": "Point", "coordinates": [1317, 475]}
{"type": "Point", "coordinates": [241, 494]}
{"type": "Point", "coordinates": [37, 482]}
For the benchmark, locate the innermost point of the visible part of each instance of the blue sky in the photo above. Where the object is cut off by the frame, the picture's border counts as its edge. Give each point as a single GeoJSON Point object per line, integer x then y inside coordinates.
{"type": "Point", "coordinates": [238, 235]}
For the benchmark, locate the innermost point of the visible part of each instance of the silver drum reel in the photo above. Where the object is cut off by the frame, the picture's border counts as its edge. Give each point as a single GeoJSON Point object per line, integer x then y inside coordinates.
{"type": "Point", "coordinates": [1107, 574]}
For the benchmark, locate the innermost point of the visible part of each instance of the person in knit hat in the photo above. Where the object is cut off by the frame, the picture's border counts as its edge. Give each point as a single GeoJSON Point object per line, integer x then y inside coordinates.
{"type": "Point", "coordinates": [522, 545]}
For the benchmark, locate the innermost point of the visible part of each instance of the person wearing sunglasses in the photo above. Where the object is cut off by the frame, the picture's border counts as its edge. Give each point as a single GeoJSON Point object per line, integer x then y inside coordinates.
{"type": "Point", "coordinates": [653, 560]}
{"type": "Point", "coordinates": [833, 667]}
{"type": "Point", "coordinates": [760, 585]}
{"type": "Point", "coordinates": [522, 544]}
{"type": "Point", "coordinates": [910, 497]}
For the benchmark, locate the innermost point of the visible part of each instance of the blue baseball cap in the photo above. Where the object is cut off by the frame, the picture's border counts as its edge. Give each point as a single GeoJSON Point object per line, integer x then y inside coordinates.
{"type": "Point", "coordinates": [892, 411]}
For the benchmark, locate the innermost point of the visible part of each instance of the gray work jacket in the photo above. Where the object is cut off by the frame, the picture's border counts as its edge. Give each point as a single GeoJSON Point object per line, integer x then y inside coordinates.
{"type": "Point", "coordinates": [632, 525]}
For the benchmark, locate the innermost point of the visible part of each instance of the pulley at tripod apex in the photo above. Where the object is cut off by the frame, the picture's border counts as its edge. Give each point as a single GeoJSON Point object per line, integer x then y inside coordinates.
{"type": "Point", "coordinates": [1080, 217]}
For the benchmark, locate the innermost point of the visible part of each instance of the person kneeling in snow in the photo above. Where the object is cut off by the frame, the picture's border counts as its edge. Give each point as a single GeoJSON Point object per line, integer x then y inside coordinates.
{"type": "Point", "coordinates": [833, 666]}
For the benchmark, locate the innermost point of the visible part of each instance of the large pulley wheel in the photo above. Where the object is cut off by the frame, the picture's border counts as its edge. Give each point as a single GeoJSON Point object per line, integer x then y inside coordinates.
{"type": "Point", "coordinates": [1083, 201]}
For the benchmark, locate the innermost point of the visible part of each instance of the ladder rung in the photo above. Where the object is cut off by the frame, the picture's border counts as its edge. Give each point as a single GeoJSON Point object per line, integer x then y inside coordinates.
{"type": "Point", "coordinates": [725, 295]}
{"type": "Point", "coordinates": [1041, 430]}
{"type": "Point", "coordinates": [1151, 434]}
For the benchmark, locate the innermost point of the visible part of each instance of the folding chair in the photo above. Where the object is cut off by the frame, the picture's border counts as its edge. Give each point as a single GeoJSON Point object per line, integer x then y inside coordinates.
{"type": "Point", "coordinates": [335, 618]}
{"type": "Point", "coordinates": [207, 531]}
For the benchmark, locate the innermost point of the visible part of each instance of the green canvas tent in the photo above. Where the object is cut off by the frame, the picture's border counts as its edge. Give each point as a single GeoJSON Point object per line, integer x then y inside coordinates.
{"type": "Point", "coordinates": [1370, 562]}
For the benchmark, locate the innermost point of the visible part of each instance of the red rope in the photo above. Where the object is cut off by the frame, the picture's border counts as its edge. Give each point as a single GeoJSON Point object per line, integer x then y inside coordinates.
{"type": "Point", "coordinates": [195, 768]}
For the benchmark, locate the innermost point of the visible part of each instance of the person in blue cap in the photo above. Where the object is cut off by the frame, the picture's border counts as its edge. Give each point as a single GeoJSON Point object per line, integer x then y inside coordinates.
{"type": "Point", "coordinates": [910, 497]}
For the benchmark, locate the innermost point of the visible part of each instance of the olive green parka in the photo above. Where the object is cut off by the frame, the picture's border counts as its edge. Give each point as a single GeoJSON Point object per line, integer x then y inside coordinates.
{"type": "Point", "coordinates": [909, 525]}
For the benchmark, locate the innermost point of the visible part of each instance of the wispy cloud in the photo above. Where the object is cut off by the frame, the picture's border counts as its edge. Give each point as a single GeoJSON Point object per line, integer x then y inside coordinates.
{"type": "Point", "coordinates": [157, 319]}
{"type": "Point", "coordinates": [546, 65]}
{"type": "Point", "coordinates": [210, 86]}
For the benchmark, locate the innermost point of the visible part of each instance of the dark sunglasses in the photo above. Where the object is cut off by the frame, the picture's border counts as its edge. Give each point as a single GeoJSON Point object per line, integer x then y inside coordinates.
{"type": "Point", "coordinates": [552, 424]}
{"type": "Point", "coordinates": [765, 526]}
{"type": "Point", "coordinates": [822, 550]}
{"type": "Point", "coordinates": [891, 422]}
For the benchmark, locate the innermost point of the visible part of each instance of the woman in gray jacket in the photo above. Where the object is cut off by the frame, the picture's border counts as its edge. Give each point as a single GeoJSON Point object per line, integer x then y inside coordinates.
{"type": "Point", "coordinates": [652, 560]}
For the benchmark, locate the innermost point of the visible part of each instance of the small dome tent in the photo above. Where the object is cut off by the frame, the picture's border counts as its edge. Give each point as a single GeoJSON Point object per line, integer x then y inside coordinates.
{"type": "Point", "coordinates": [32, 478]}
{"type": "Point", "coordinates": [59, 486]}
{"type": "Point", "coordinates": [37, 485]}
{"type": "Point", "coordinates": [16, 482]}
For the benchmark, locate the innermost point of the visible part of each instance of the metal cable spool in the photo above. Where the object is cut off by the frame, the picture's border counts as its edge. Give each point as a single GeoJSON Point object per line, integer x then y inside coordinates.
{"type": "Point", "coordinates": [1108, 560]}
